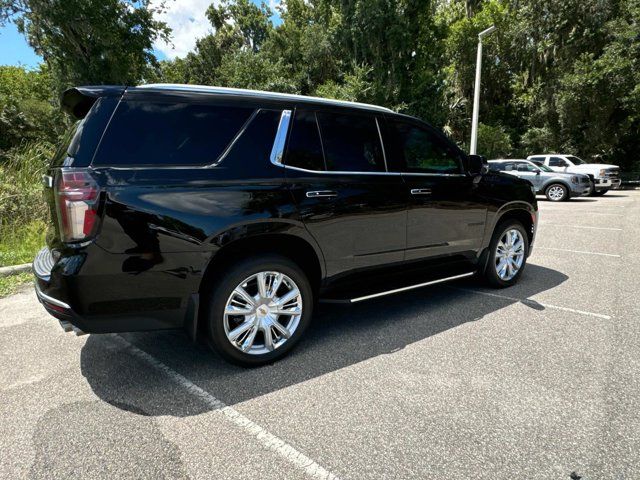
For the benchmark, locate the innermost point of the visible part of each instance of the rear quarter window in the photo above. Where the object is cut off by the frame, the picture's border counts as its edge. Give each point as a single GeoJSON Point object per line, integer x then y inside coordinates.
{"type": "Point", "coordinates": [164, 134]}
{"type": "Point", "coordinates": [79, 144]}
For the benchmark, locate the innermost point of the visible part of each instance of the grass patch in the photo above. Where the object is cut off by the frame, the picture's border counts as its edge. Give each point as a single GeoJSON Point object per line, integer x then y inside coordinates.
{"type": "Point", "coordinates": [23, 210]}
{"type": "Point", "coordinates": [11, 284]}
{"type": "Point", "coordinates": [19, 244]}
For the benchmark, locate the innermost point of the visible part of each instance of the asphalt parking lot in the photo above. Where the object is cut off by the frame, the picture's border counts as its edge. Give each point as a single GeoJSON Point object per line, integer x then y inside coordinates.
{"type": "Point", "coordinates": [538, 381]}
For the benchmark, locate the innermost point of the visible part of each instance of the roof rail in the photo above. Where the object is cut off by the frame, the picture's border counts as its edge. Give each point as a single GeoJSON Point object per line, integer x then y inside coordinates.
{"type": "Point", "coordinates": [258, 93]}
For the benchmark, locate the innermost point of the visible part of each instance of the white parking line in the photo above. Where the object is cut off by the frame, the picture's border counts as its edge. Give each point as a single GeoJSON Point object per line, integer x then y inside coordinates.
{"type": "Point", "coordinates": [579, 226]}
{"type": "Point", "coordinates": [298, 459]}
{"type": "Point", "coordinates": [578, 251]}
{"type": "Point", "coordinates": [591, 213]}
{"type": "Point", "coordinates": [534, 303]}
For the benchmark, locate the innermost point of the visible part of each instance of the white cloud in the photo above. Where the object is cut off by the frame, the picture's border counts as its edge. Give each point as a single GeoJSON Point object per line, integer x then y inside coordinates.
{"type": "Point", "coordinates": [188, 23]}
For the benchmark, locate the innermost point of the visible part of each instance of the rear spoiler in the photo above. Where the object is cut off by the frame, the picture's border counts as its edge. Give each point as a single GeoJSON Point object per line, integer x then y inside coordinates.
{"type": "Point", "coordinates": [77, 101]}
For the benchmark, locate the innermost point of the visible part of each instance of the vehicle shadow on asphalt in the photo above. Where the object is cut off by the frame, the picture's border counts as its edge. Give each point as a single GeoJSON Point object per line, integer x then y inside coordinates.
{"type": "Point", "coordinates": [339, 336]}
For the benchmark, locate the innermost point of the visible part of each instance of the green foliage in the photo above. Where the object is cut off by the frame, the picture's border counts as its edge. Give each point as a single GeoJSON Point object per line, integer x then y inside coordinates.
{"type": "Point", "coordinates": [21, 200]}
{"type": "Point", "coordinates": [19, 243]}
{"type": "Point", "coordinates": [356, 87]}
{"type": "Point", "coordinates": [538, 140]}
{"type": "Point", "coordinates": [495, 141]}
{"type": "Point", "coordinates": [89, 41]}
{"type": "Point", "coordinates": [26, 110]}
{"type": "Point", "coordinates": [557, 76]}
{"type": "Point", "coordinates": [23, 212]}
{"type": "Point", "coordinates": [245, 69]}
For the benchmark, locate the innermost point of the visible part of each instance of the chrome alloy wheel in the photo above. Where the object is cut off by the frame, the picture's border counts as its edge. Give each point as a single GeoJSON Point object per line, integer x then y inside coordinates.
{"type": "Point", "coordinates": [262, 313]}
{"type": "Point", "coordinates": [509, 254]}
{"type": "Point", "coordinates": [556, 193]}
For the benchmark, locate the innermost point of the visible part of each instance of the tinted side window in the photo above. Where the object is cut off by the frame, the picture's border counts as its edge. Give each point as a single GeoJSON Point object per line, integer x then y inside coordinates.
{"type": "Point", "coordinates": [305, 149]}
{"type": "Point", "coordinates": [557, 162]}
{"type": "Point", "coordinates": [351, 143]}
{"type": "Point", "coordinates": [424, 151]}
{"type": "Point", "coordinates": [145, 133]}
{"type": "Point", "coordinates": [252, 149]}
{"type": "Point", "coordinates": [537, 159]}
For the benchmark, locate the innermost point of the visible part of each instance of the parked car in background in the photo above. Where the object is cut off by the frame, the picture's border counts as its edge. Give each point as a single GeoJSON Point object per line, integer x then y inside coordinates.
{"type": "Point", "coordinates": [229, 212]}
{"type": "Point", "coordinates": [556, 186]}
{"type": "Point", "coordinates": [605, 177]}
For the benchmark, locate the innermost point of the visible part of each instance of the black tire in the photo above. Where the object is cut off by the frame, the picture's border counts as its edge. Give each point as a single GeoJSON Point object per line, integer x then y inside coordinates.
{"type": "Point", "coordinates": [550, 192]}
{"type": "Point", "coordinates": [220, 291]}
{"type": "Point", "coordinates": [490, 273]}
{"type": "Point", "coordinates": [599, 193]}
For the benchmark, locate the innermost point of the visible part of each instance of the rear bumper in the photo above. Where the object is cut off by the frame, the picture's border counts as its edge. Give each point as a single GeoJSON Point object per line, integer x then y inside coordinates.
{"type": "Point", "coordinates": [69, 321]}
{"type": "Point", "coordinates": [89, 290]}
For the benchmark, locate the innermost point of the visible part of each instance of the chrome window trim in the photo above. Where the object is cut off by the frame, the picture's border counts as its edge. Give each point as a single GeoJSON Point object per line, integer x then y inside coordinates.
{"type": "Point", "coordinates": [384, 154]}
{"type": "Point", "coordinates": [329, 172]}
{"type": "Point", "coordinates": [277, 151]}
{"type": "Point", "coordinates": [436, 174]}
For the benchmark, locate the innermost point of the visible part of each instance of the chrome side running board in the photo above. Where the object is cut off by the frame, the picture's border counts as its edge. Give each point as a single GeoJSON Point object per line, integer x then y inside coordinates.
{"type": "Point", "coordinates": [398, 290]}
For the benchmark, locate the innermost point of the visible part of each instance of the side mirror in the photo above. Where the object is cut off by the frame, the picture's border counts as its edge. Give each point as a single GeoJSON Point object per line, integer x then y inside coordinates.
{"type": "Point", "coordinates": [477, 165]}
{"type": "Point", "coordinates": [537, 172]}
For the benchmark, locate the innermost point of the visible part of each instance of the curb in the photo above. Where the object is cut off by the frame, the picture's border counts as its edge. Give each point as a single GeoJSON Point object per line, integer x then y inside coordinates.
{"type": "Point", "coordinates": [15, 269]}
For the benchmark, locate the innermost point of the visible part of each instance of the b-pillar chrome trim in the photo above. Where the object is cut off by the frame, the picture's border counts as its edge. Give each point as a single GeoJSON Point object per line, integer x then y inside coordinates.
{"type": "Point", "coordinates": [277, 151]}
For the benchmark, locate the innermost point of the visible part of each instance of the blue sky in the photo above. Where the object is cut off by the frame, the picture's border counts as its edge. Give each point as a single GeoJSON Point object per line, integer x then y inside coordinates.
{"type": "Point", "coordinates": [185, 17]}
{"type": "Point", "coordinates": [14, 49]}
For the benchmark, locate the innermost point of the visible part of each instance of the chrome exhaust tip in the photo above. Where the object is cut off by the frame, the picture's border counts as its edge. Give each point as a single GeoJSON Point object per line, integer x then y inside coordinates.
{"type": "Point", "coordinates": [66, 326]}
{"type": "Point", "coordinates": [78, 332]}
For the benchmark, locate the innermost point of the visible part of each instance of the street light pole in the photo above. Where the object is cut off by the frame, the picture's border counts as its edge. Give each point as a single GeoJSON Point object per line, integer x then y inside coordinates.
{"type": "Point", "coordinates": [476, 92]}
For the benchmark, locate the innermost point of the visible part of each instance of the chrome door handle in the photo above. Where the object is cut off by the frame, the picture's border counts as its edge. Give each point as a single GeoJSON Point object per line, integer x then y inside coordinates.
{"type": "Point", "coordinates": [420, 191]}
{"type": "Point", "coordinates": [322, 194]}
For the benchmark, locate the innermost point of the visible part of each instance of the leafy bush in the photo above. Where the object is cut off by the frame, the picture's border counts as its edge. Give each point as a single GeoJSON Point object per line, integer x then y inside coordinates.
{"type": "Point", "coordinates": [21, 197]}
{"type": "Point", "coordinates": [23, 211]}
{"type": "Point", "coordinates": [493, 142]}
{"type": "Point", "coordinates": [27, 109]}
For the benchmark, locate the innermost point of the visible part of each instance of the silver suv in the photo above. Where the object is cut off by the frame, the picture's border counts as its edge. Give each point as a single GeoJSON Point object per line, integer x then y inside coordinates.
{"type": "Point", "coordinates": [556, 186]}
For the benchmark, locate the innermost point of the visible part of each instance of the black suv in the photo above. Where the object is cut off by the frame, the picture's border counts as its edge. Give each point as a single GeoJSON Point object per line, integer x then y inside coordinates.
{"type": "Point", "coordinates": [230, 213]}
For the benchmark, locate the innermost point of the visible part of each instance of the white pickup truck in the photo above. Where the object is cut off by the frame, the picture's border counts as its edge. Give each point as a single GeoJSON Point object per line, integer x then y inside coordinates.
{"type": "Point", "coordinates": [605, 177]}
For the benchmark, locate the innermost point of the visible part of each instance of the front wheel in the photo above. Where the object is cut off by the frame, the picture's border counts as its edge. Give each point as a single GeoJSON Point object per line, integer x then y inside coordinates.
{"type": "Point", "coordinates": [507, 254]}
{"type": "Point", "coordinates": [557, 192]}
{"type": "Point", "coordinates": [259, 310]}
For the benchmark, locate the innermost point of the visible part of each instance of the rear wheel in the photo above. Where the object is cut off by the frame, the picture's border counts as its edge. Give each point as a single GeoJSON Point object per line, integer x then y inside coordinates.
{"type": "Point", "coordinates": [507, 254]}
{"type": "Point", "coordinates": [259, 310]}
{"type": "Point", "coordinates": [557, 192]}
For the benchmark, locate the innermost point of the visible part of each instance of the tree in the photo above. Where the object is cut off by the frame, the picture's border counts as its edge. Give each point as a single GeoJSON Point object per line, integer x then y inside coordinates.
{"type": "Point", "coordinates": [89, 41]}
{"type": "Point", "coordinates": [493, 142]}
{"type": "Point", "coordinates": [26, 110]}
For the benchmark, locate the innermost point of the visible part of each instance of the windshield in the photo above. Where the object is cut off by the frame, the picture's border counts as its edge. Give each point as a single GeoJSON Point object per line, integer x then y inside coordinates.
{"type": "Point", "coordinates": [543, 167]}
{"type": "Point", "coordinates": [576, 160]}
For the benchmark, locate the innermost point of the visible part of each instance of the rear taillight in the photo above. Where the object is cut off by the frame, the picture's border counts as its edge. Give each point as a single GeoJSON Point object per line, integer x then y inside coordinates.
{"type": "Point", "coordinates": [77, 195]}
